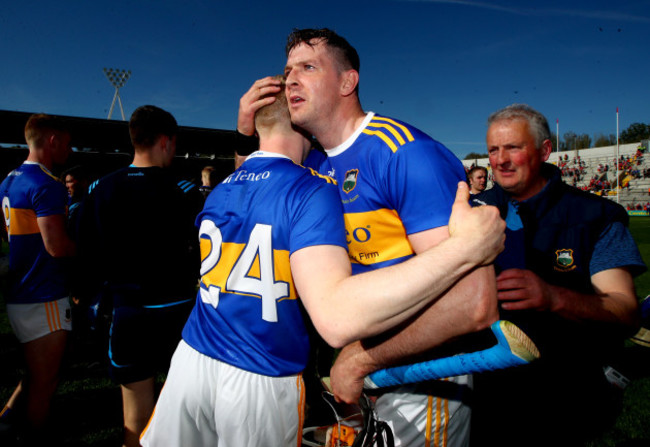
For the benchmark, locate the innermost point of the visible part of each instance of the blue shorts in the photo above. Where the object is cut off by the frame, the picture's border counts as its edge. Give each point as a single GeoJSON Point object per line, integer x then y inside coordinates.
{"type": "Point", "coordinates": [143, 339]}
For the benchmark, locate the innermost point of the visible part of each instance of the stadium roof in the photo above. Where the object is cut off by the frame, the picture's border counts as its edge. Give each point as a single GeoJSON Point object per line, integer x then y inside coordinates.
{"type": "Point", "coordinates": [99, 135]}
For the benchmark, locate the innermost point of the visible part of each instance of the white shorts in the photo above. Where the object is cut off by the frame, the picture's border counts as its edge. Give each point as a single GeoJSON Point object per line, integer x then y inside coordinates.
{"type": "Point", "coordinates": [35, 320]}
{"type": "Point", "coordinates": [208, 402]}
{"type": "Point", "coordinates": [420, 419]}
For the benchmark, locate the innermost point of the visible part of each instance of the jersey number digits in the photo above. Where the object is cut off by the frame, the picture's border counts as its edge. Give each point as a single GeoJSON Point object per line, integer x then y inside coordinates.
{"type": "Point", "coordinates": [259, 246]}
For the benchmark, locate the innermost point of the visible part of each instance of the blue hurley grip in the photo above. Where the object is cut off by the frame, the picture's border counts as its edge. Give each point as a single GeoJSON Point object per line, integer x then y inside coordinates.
{"type": "Point", "coordinates": [498, 356]}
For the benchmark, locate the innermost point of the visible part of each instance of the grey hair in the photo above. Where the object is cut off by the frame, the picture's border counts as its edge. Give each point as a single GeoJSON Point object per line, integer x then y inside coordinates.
{"type": "Point", "coordinates": [536, 121]}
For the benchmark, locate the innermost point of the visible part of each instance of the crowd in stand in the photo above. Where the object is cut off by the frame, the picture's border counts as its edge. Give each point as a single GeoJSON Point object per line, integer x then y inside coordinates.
{"type": "Point", "coordinates": [639, 207]}
{"type": "Point", "coordinates": [574, 170]}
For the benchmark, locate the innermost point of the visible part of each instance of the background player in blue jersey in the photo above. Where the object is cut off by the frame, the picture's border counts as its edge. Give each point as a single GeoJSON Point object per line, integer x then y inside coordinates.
{"type": "Point", "coordinates": [138, 249]}
{"type": "Point", "coordinates": [271, 233]}
{"type": "Point", "coordinates": [34, 208]}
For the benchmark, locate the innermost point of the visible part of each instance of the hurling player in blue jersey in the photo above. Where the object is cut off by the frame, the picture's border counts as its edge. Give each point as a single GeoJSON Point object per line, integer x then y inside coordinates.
{"type": "Point", "coordinates": [272, 233]}
{"type": "Point", "coordinates": [34, 207]}
{"type": "Point", "coordinates": [397, 186]}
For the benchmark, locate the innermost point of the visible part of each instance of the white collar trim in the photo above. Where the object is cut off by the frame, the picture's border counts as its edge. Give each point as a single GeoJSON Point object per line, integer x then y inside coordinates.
{"type": "Point", "coordinates": [351, 139]}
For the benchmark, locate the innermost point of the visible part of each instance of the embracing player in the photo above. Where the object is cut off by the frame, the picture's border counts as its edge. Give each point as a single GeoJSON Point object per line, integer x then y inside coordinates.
{"type": "Point", "coordinates": [271, 232]}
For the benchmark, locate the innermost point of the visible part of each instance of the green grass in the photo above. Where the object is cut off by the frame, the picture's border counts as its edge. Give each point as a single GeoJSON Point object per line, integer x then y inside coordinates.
{"type": "Point", "coordinates": [87, 405]}
{"type": "Point", "coordinates": [640, 228]}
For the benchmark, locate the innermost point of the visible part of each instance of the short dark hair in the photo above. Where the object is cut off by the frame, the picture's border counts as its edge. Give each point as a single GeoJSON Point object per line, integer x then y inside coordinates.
{"type": "Point", "coordinates": [39, 125]}
{"type": "Point", "coordinates": [476, 168]}
{"type": "Point", "coordinates": [79, 172]}
{"type": "Point", "coordinates": [347, 57]}
{"type": "Point", "coordinates": [148, 123]}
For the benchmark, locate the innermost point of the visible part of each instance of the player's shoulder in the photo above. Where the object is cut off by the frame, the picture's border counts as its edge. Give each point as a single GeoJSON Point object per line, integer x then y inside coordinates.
{"type": "Point", "coordinates": [38, 179]}
{"type": "Point", "coordinates": [389, 133]}
{"type": "Point", "coordinates": [396, 135]}
{"type": "Point", "coordinates": [306, 183]}
{"type": "Point", "coordinates": [108, 181]}
{"type": "Point", "coordinates": [36, 172]}
{"type": "Point", "coordinates": [306, 173]}
{"type": "Point", "coordinates": [311, 172]}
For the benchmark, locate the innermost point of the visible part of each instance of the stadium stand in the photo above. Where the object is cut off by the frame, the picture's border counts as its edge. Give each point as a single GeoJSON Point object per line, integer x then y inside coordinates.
{"type": "Point", "coordinates": [594, 170]}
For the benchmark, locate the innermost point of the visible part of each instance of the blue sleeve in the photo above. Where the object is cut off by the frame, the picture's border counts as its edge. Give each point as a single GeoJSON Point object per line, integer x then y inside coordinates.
{"type": "Point", "coordinates": [50, 198]}
{"type": "Point", "coordinates": [422, 179]}
{"type": "Point", "coordinates": [616, 248]}
{"type": "Point", "coordinates": [319, 220]}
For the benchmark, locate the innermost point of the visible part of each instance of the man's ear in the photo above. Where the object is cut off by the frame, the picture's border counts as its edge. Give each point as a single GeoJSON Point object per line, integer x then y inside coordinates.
{"type": "Point", "coordinates": [547, 148]}
{"type": "Point", "coordinates": [52, 139]}
{"type": "Point", "coordinates": [350, 80]}
{"type": "Point", "coordinates": [162, 141]}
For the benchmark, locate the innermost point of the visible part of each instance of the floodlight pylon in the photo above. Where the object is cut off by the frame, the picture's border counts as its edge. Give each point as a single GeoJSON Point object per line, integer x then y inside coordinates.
{"type": "Point", "coordinates": [117, 77]}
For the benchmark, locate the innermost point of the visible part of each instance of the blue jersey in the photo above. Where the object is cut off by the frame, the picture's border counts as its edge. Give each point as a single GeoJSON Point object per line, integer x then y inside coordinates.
{"type": "Point", "coordinates": [394, 181]}
{"type": "Point", "coordinates": [247, 312]}
{"type": "Point", "coordinates": [28, 193]}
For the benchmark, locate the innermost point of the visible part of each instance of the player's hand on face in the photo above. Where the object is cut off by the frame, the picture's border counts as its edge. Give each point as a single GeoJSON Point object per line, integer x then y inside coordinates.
{"type": "Point", "coordinates": [481, 228]}
{"type": "Point", "coordinates": [346, 378]}
{"type": "Point", "coordinates": [253, 100]}
{"type": "Point", "coordinates": [519, 289]}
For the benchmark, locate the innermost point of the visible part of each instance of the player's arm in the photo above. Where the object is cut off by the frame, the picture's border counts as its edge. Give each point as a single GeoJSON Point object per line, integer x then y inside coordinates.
{"type": "Point", "coordinates": [55, 237]}
{"type": "Point", "coordinates": [469, 306]}
{"type": "Point", "coordinates": [345, 308]}
{"type": "Point", "coordinates": [614, 300]}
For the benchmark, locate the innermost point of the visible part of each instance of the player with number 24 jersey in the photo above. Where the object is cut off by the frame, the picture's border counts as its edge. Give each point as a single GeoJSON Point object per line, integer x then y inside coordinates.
{"type": "Point", "coordinates": [247, 313]}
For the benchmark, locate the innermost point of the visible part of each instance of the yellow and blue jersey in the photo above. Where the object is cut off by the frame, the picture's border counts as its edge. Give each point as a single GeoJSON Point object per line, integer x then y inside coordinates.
{"type": "Point", "coordinates": [247, 312]}
{"type": "Point", "coordinates": [393, 181]}
{"type": "Point", "coordinates": [30, 192]}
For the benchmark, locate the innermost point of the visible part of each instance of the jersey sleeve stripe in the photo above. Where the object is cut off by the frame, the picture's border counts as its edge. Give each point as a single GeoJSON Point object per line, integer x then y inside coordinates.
{"type": "Point", "coordinates": [392, 130]}
{"type": "Point", "coordinates": [383, 136]}
{"type": "Point", "coordinates": [404, 129]}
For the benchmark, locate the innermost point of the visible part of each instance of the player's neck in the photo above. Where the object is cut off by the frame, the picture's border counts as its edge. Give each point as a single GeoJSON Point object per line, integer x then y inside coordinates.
{"type": "Point", "coordinates": [41, 157]}
{"type": "Point", "coordinates": [340, 128]}
{"type": "Point", "coordinates": [146, 159]}
{"type": "Point", "coordinates": [291, 146]}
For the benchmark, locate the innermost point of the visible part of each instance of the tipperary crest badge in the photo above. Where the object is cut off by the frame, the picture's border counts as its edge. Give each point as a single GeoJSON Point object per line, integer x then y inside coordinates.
{"type": "Point", "coordinates": [350, 180]}
{"type": "Point", "coordinates": [564, 259]}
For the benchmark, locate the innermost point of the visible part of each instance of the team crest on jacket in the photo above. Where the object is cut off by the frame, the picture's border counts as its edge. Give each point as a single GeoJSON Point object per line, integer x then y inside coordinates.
{"type": "Point", "coordinates": [564, 259]}
{"type": "Point", "coordinates": [350, 180]}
